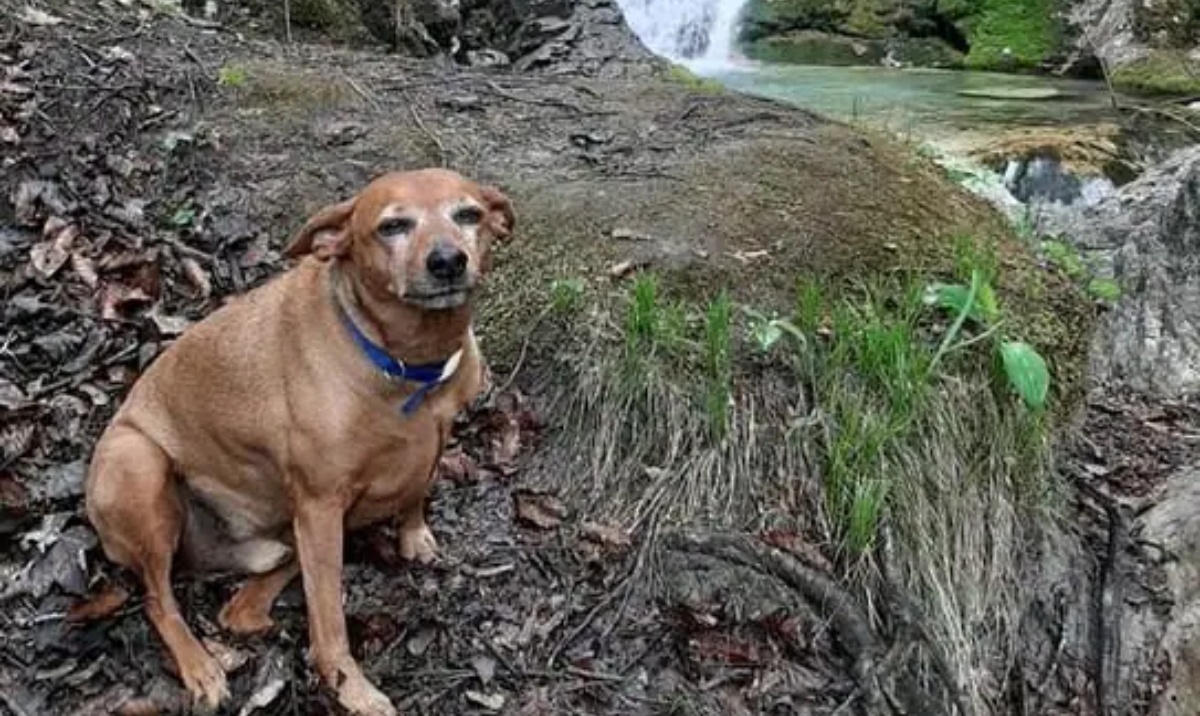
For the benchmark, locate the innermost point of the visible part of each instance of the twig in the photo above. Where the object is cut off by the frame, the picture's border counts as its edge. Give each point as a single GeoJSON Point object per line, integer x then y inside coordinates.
{"type": "Point", "coordinates": [287, 20]}
{"type": "Point", "coordinates": [11, 703]}
{"type": "Point", "coordinates": [412, 109]}
{"type": "Point", "coordinates": [626, 583]}
{"type": "Point", "coordinates": [361, 91]}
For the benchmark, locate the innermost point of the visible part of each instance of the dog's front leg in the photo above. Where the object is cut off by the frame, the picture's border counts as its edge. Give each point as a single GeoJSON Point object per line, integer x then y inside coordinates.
{"type": "Point", "coordinates": [319, 526]}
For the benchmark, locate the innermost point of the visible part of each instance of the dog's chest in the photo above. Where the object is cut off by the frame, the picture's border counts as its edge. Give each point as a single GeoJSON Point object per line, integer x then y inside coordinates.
{"type": "Point", "coordinates": [401, 451]}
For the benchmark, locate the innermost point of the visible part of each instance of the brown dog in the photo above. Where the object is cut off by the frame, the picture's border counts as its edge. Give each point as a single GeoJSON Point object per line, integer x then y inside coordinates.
{"type": "Point", "coordinates": [317, 403]}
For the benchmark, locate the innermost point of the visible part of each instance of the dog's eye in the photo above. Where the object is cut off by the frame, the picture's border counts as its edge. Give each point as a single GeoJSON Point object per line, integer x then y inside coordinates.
{"type": "Point", "coordinates": [468, 215]}
{"type": "Point", "coordinates": [395, 227]}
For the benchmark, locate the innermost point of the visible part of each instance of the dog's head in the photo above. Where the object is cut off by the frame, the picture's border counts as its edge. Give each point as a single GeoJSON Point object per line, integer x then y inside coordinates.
{"type": "Point", "coordinates": [423, 237]}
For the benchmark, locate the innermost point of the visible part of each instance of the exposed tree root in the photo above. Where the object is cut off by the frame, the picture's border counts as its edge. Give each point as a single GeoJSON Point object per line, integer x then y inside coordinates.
{"type": "Point", "coordinates": [884, 687]}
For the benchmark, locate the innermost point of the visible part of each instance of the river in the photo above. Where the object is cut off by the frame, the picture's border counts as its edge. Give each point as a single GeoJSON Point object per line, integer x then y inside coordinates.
{"type": "Point", "coordinates": [941, 107]}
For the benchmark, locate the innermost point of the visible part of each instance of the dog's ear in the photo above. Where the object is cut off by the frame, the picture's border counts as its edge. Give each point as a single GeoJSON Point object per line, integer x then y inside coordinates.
{"type": "Point", "coordinates": [500, 219]}
{"type": "Point", "coordinates": [325, 235]}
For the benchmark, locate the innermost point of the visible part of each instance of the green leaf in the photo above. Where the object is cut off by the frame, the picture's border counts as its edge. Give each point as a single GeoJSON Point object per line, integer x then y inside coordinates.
{"type": "Point", "coordinates": [1105, 289]}
{"type": "Point", "coordinates": [185, 216]}
{"type": "Point", "coordinates": [1027, 372]}
{"type": "Point", "coordinates": [231, 76]}
{"type": "Point", "coordinates": [766, 334]}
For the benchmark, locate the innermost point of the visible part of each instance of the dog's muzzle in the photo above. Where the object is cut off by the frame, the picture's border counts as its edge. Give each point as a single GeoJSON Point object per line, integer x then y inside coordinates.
{"type": "Point", "coordinates": [446, 282]}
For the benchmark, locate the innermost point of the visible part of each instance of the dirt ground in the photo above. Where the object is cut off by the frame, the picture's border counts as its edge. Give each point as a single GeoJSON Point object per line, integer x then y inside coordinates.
{"type": "Point", "coordinates": [122, 220]}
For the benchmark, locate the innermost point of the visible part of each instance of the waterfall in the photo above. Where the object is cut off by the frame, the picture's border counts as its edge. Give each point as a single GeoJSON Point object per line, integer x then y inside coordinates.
{"type": "Point", "coordinates": [696, 32]}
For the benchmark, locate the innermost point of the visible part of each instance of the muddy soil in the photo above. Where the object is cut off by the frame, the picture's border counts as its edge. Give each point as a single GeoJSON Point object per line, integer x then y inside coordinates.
{"type": "Point", "coordinates": [153, 165]}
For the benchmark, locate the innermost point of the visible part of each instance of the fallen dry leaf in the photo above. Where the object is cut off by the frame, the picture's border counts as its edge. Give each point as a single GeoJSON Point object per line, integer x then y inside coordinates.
{"type": "Point", "coordinates": [34, 16]}
{"type": "Point", "coordinates": [9, 134]}
{"type": "Point", "coordinates": [723, 649]}
{"type": "Point", "coordinates": [622, 269]}
{"type": "Point", "coordinates": [85, 269]}
{"type": "Point", "coordinates": [605, 534]}
{"type": "Point", "coordinates": [168, 325]}
{"type": "Point", "coordinates": [99, 606]}
{"type": "Point", "coordinates": [507, 446]}
{"type": "Point", "coordinates": [118, 299]}
{"type": "Point", "coordinates": [197, 276]}
{"type": "Point", "coordinates": [140, 706]}
{"type": "Point", "coordinates": [229, 658]}
{"type": "Point", "coordinates": [457, 466]}
{"type": "Point", "coordinates": [419, 643]}
{"type": "Point", "coordinates": [485, 668]}
{"type": "Point", "coordinates": [542, 511]}
{"type": "Point", "coordinates": [48, 256]}
{"type": "Point", "coordinates": [491, 702]}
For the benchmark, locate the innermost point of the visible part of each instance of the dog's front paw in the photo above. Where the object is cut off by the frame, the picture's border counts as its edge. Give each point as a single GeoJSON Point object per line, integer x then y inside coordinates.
{"type": "Point", "coordinates": [361, 698]}
{"type": "Point", "coordinates": [417, 544]}
{"type": "Point", "coordinates": [205, 681]}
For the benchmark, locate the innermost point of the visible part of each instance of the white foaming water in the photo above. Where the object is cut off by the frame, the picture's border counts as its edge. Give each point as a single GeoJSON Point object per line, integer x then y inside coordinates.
{"type": "Point", "coordinates": [699, 33]}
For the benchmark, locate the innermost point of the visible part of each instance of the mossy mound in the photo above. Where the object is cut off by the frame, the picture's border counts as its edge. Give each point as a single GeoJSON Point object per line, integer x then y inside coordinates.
{"type": "Point", "coordinates": [1162, 72]}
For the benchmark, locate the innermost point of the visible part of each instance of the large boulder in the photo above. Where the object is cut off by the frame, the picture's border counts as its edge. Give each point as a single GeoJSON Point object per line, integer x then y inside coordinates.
{"type": "Point", "coordinates": [1147, 47]}
{"type": "Point", "coordinates": [1147, 238]}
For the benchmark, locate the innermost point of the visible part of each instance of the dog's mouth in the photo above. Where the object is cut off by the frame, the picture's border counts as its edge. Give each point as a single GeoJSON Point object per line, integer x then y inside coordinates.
{"type": "Point", "coordinates": [439, 300]}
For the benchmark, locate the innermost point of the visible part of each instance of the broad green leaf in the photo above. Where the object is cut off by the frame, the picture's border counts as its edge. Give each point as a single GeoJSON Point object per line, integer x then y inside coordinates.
{"type": "Point", "coordinates": [766, 334]}
{"type": "Point", "coordinates": [1027, 372]}
{"type": "Point", "coordinates": [954, 297]}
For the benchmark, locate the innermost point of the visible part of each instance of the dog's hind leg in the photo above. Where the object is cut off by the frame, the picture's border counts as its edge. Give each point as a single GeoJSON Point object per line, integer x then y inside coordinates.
{"type": "Point", "coordinates": [134, 504]}
{"type": "Point", "coordinates": [249, 611]}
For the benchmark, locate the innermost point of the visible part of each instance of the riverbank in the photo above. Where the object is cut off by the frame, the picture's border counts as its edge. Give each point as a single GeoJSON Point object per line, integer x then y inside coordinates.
{"type": "Point", "coordinates": [1143, 50]}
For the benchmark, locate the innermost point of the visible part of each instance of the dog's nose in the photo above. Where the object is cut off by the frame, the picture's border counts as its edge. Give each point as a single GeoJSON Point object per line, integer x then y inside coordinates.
{"type": "Point", "coordinates": [446, 261]}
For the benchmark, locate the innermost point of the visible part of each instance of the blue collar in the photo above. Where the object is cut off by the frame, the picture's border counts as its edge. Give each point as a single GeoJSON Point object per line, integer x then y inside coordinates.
{"type": "Point", "coordinates": [427, 376]}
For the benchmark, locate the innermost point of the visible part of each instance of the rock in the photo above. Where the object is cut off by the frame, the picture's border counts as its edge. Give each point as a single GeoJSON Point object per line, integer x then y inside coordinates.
{"type": "Point", "coordinates": [1142, 44]}
{"type": "Point", "coordinates": [1172, 526]}
{"type": "Point", "coordinates": [1015, 93]}
{"type": "Point", "coordinates": [1147, 238]}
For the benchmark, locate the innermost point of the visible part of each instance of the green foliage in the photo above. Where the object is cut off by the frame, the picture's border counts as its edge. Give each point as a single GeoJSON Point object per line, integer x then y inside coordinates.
{"type": "Point", "coordinates": [1025, 28]}
{"type": "Point", "coordinates": [718, 358]}
{"type": "Point", "coordinates": [1068, 259]}
{"type": "Point", "coordinates": [566, 294]}
{"type": "Point", "coordinates": [232, 76]}
{"type": "Point", "coordinates": [683, 76]}
{"type": "Point", "coordinates": [1104, 289]}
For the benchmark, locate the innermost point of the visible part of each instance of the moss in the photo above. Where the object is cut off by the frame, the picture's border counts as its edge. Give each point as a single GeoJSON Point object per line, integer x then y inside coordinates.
{"type": "Point", "coordinates": [1163, 72]}
{"type": "Point", "coordinates": [1011, 34]}
{"type": "Point", "coordinates": [926, 52]}
{"type": "Point", "coordinates": [681, 75]}
{"type": "Point", "coordinates": [270, 84]}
